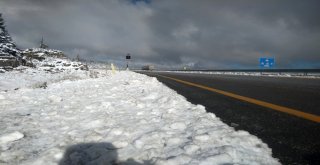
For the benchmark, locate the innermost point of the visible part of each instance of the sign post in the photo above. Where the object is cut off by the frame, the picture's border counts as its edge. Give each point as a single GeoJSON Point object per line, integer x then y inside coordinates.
{"type": "Point", "coordinates": [128, 57]}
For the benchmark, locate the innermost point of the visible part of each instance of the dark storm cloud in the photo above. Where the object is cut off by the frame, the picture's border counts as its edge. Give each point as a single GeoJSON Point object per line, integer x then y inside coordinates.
{"type": "Point", "coordinates": [173, 33]}
{"type": "Point", "coordinates": [239, 32]}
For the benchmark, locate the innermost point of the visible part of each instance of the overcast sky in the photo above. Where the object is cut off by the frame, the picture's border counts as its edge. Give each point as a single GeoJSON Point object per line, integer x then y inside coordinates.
{"type": "Point", "coordinates": [212, 34]}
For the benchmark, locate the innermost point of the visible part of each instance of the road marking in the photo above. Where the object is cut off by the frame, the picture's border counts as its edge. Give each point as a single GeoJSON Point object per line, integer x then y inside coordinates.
{"type": "Point", "coordinates": [283, 109]}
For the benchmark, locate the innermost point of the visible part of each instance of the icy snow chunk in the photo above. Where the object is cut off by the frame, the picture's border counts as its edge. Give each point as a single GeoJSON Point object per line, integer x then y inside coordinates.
{"type": "Point", "coordinates": [218, 159]}
{"type": "Point", "coordinates": [140, 113]}
{"type": "Point", "coordinates": [171, 110]}
{"type": "Point", "coordinates": [202, 138]}
{"type": "Point", "coordinates": [181, 159]}
{"type": "Point", "coordinates": [178, 126]}
{"type": "Point", "coordinates": [148, 141]}
{"type": "Point", "coordinates": [5, 157]}
{"type": "Point", "coordinates": [94, 137]}
{"type": "Point", "coordinates": [53, 113]}
{"type": "Point", "coordinates": [10, 137]}
{"type": "Point", "coordinates": [174, 141]}
{"type": "Point", "coordinates": [94, 124]}
{"type": "Point", "coordinates": [58, 156]}
{"type": "Point", "coordinates": [49, 157]}
{"type": "Point", "coordinates": [6, 138]}
{"type": "Point", "coordinates": [151, 96]}
{"type": "Point", "coordinates": [120, 144]}
{"type": "Point", "coordinates": [190, 149]}
{"type": "Point", "coordinates": [25, 98]}
{"type": "Point", "coordinates": [6, 102]}
{"type": "Point", "coordinates": [116, 131]}
{"type": "Point", "coordinates": [55, 99]}
{"type": "Point", "coordinates": [138, 144]}
{"type": "Point", "coordinates": [201, 108]}
{"type": "Point", "coordinates": [143, 121]}
{"type": "Point", "coordinates": [2, 97]}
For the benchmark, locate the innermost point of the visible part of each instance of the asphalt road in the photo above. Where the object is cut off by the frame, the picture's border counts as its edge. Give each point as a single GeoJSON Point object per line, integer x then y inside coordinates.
{"type": "Point", "coordinates": [293, 140]}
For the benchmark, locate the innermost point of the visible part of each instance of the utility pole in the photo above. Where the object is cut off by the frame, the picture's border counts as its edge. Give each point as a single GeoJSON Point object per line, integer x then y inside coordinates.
{"type": "Point", "coordinates": [43, 45]}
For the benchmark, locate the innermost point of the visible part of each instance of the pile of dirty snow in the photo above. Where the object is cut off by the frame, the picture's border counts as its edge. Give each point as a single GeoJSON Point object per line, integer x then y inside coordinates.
{"type": "Point", "coordinates": [121, 117]}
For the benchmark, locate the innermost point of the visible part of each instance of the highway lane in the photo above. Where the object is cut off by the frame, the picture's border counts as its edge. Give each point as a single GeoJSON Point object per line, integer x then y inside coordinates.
{"type": "Point", "coordinates": [294, 140]}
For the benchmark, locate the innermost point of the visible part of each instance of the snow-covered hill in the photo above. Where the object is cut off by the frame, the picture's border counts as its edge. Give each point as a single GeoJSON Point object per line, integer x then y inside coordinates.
{"type": "Point", "coordinates": [48, 70]}
{"type": "Point", "coordinates": [50, 60]}
{"type": "Point", "coordinates": [97, 117]}
{"type": "Point", "coordinates": [40, 53]}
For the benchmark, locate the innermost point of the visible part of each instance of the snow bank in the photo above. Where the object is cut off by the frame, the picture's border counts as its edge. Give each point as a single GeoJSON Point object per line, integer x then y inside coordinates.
{"type": "Point", "coordinates": [49, 70]}
{"type": "Point", "coordinates": [117, 118]}
{"type": "Point", "coordinates": [25, 77]}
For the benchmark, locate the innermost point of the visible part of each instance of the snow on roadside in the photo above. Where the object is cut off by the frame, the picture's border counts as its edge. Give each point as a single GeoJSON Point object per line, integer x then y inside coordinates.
{"type": "Point", "coordinates": [33, 78]}
{"type": "Point", "coordinates": [117, 118]}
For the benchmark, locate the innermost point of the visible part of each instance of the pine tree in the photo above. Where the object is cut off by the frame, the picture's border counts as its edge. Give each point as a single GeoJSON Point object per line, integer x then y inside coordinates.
{"type": "Point", "coordinates": [7, 46]}
{"type": "Point", "coordinates": [5, 37]}
{"type": "Point", "coordinates": [2, 30]}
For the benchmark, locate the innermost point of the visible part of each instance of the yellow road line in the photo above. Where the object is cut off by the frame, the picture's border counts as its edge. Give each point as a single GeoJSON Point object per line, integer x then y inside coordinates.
{"type": "Point", "coordinates": [283, 109]}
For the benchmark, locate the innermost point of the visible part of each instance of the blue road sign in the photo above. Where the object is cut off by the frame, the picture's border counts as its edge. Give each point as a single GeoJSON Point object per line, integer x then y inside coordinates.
{"type": "Point", "coordinates": [266, 62]}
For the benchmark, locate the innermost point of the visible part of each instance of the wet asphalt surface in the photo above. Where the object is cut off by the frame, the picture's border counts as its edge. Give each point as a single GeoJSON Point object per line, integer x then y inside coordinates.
{"type": "Point", "coordinates": [293, 140]}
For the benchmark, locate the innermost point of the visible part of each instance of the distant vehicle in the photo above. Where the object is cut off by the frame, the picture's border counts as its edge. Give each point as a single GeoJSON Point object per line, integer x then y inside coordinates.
{"type": "Point", "coordinates": [148, 67]}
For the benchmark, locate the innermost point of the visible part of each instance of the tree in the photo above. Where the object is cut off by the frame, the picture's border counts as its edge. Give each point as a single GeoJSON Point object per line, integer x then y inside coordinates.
{"type": "Point", "coordinates": [7, 46]}
{"type": "Point", "coordinates": [4, 35]}
{"type": "Point", "coordinates": [2, 30]}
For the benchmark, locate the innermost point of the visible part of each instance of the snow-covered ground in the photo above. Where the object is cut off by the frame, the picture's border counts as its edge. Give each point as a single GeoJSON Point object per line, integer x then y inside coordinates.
{"type": "Point", "coordinates": [49, 70]}
{"type": "Point", "coordinates": [101, 117]}
{"type": "Point", "coordinates": [269, 74]}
